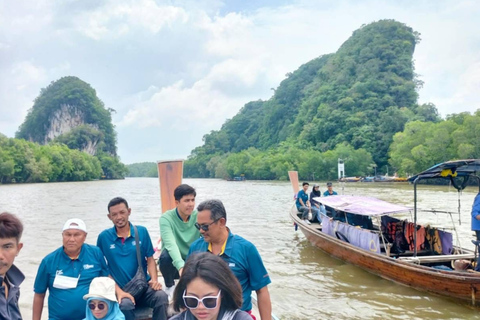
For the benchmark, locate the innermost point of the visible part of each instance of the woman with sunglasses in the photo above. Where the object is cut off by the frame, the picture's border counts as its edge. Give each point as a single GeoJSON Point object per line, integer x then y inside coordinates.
{"type": "Point", "coordinates": [101, 300]}
{"type": "Point", "coordinates": [208, 290]}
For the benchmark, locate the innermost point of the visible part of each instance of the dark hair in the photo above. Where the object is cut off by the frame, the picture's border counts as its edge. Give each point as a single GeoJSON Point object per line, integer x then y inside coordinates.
{"type": "Point", "coordinates": [305, 183]}
{"type": "Point", "coordinates": [217, 210]}
{"type": "Point", "coordinates": [115, 201]}
{"type": "Point", "coordinates": [10, 226]}
{"type": "Point", "coordinates": [183, 190]}
{"type": "Point", "coordinates": [213, 270]}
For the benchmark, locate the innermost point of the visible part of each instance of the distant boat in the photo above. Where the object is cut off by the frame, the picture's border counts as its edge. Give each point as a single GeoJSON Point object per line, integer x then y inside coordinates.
{"type": "Point", "coordinates": [374, 235]}
{"type": "Point", "coordinates": [239, 178]}
{"type": "Point", "coordinates": [349, 179]}
{"type": "Point", "coordinates": [368, 179]}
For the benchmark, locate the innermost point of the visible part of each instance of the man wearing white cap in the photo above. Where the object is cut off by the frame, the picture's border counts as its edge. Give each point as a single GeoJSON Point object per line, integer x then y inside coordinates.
{"type": "Point", "coordinates": [67, 273]}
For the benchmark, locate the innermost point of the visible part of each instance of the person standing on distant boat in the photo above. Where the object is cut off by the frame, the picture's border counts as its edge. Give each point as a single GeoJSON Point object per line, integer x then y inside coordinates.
{"type": "Point", "coordinates": [119, 246]}
{"type": "Point", "coordinates": [329, 191]}
{"type": "Point", "coordinates": [67, 273]}
{"type": "Point", "coordinates": [476, 216]}
{"type": "Point", "coordinates": [302, 203]}
{"type": "Point", "coordinates": [177, 228]}
{"type": "Point", "coordinates": [11, 229]}
{"type": "Point", "coordinates": [241, 255]}
{"type": "Point", "coordinates": [317, 207]}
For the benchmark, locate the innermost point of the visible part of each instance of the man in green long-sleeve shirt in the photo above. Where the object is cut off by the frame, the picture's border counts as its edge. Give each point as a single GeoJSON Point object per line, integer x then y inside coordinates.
{"type": "Point", "coordinates": [178, 231]}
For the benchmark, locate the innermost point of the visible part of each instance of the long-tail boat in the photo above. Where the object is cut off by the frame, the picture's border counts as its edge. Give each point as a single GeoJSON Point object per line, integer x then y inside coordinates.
{"type": "Point", "coordinates": [378, 237]}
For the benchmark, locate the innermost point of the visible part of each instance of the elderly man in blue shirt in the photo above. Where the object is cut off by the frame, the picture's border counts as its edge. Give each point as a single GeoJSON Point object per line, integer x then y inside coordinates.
{"type": "Point", "coordinates": [67, 273]}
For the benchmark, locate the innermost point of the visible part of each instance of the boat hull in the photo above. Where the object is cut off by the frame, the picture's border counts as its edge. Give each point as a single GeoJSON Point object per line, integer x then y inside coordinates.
{"type": "Point", "coordinates": [454, 284]}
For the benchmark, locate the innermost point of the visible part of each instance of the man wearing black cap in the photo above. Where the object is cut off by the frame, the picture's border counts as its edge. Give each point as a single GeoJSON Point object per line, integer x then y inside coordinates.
{"type": "Point", "coordinates": [329, 191]}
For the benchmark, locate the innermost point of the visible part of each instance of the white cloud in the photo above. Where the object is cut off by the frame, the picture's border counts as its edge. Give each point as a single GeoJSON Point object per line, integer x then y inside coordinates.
{"type": "Point", "coordinates": [180, 69]}
{"type": "Point", "coordinates": [116, 18]}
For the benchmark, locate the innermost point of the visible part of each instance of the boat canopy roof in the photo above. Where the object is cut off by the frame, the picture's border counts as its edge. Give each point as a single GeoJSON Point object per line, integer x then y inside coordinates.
{"type": "Point", "coordinates": [366, 206]}
{"type": "Point", "coordinates": [454, 168]}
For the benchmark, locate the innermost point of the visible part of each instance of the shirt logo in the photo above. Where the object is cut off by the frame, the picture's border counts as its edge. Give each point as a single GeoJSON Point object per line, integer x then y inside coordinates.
{"type": "Point", "coordinates": [87, 266]}
{"type": "Point", "coordinates": [134, 243]}
{"type": "Point", "coordinates": [112, 246]}
{"type": "Point", "coordinates": [59, 272]}
{"type": "Point", "coordinates": [231, 264]}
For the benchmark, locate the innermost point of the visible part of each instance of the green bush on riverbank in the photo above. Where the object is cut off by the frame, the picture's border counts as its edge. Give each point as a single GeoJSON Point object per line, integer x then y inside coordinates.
{"type": "Point", "coordinates": [23, 161]}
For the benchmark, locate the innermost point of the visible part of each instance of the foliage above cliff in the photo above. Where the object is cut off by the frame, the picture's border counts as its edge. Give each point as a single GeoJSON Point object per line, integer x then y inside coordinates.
{"type": "Point", "coordinates": [78, 98]}
{"type": "Point", "coordinates": [424, 144]}
{"type": "Point", "coordinates": [361, 95]}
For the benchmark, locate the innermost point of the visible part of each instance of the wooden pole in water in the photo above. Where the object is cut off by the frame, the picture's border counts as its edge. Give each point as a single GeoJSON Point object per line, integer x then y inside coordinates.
{"type": "Point", "coordinates": [170, 174]}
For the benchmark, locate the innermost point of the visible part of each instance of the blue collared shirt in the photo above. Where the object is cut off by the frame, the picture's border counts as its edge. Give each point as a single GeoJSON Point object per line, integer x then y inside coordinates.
{"type": "Point", "coordinates": [122, 254]}
{"type": "Point", "coordinates": [245, 262]}
{"type": "Point", "coordinates": [68, 304]}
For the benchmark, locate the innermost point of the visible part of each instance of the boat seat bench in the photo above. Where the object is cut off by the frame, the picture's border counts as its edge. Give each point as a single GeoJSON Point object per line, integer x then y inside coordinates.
{"type": "Point", "coordinates": [439, 258]}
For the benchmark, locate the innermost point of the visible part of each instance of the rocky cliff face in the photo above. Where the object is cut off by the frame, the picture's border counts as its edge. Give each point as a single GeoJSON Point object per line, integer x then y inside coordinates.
{"type": "Point", "coordinates": [68, 111]}
{"type": "Point", "coordinates": [63, 121]}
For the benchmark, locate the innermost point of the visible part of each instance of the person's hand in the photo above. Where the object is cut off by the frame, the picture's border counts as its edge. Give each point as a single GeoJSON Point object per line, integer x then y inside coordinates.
{"type": "Point", "coordinates": [155, 285]}
{"type": "Point", "coordinates": [122, 294]}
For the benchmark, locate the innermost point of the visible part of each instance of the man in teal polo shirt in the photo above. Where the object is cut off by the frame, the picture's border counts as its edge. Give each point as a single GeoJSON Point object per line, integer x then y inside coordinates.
{"type": "Point", "coordinates": [177, 227]}
{"type": "Point", "coordinates": [119, 247]}
{"type": "Point", "coordinates": [67, 273]}
{"type": "Point", "coordinates": [240, 254]}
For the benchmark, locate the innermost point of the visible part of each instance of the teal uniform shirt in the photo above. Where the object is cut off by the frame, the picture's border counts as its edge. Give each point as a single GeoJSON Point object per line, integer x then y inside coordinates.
{"type": "Point", "coordinates": [326, 193]}
{"type": "Point", "coordinates": [122, 254]}
{"type": "Point", "coordinates": [245, 262]}
{"type": "Point", "coordinates": [301, 195]}
{"type": "Point", "coordinates": [68, 304]}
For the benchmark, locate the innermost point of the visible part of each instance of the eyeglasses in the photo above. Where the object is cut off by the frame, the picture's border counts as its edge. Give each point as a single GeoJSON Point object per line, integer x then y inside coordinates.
{"type": "Point", "coordinates": [209, 302]}
{"type": "Point", "coordinates": [204, 227]}
{"type": "Point", "coordinates": [100, 306]}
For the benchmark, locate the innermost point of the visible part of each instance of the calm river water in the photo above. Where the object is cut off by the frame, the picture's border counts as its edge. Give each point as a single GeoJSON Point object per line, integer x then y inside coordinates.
{"type": "Point", "coordinates": [306, 284]}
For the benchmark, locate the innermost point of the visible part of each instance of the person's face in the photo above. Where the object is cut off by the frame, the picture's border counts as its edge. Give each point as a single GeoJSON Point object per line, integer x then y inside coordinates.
{"type": "Point", "coordinates": [119, 215]}
{"type": "Point", "coordinates": [97, 312]}
{"type": "Point", "coordinates": [305, 187]}
{"type": "Point", "coordinates": [214, 231]}
{"type": "Point", "coordinates": [9, 248]}
{"type": "Point", "coordinates": [73, 240]}
{"type": "Point", "coordinates": [199, 288]}
{"type": "Point", "coordinates": [186, 204]}
{"type": "Point", "coordinates": [330, 188]}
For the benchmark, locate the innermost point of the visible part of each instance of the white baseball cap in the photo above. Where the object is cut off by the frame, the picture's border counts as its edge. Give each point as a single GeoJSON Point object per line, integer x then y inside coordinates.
{"type": "Point", "coordinates": [102, 287]}
{"type": "Point", "coordinates": [75, 224]}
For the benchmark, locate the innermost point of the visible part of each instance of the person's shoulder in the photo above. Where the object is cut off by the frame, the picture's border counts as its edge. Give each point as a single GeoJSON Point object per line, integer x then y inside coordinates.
{"type": "Point", "coordinates": [197, 244]}
{"type": "Point", "coordinates": [92, 248]}
{"type": "Point", "coordinates": [53, 254]}
{"type": "Point", "coordinates": [106, 232]}
{"type": "Point", "coordinates": [180, 316]}
{"type": "Point", "coordinates": [141, 228]}
{"type": "Point", "coordinates": [242, 315]}
{"type": "Point", "coordinates": [241, 241]}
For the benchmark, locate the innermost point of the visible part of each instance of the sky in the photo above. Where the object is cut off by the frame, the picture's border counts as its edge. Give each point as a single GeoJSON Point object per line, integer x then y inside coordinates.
{"type": "Point", "coordinates": [176, 70]}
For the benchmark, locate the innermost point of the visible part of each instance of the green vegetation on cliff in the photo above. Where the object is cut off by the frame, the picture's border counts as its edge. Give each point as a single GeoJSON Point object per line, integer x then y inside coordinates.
{"type": "Point", "coordinates": [356, 98]}
{"type": "Point", "coordinates": [66, 115]}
